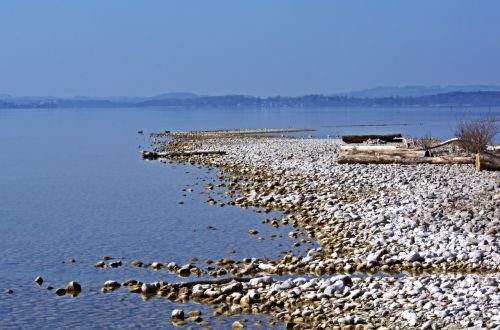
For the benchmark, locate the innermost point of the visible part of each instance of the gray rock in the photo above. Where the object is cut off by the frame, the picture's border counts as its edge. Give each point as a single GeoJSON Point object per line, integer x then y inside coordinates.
{"type": "Point", "coordinates": [111, 285]}
{"type": "Point", "coordinates": [427, 325]}
{"type": "Point", "coordinates": [73, 287]}
{"type": "Point", "coordinates": [60, 292]}
{"type": "Point", "coordinates": [356, 294]}
{"type": "Point", "coordinates": [266, 280]}
{"type": "Point", "coordinates": [410, 317]}
{"type": "Point", "coordinates": [149, 288]}
{"type": "Point", "coordinates": [156, 265]}
{"type": "Point", "coordinates": [232, 287]}
{"type": "Point", "coordinates": [338, 286]}
{"type": "Point", "coordinates": [414, 256]}
{"type": "Point", "coordinates": [344, 278]}
{"type": "Point", "coordinates": [115, 264]}
{"type": "Point", "coordinates": [491, 282]}
{"type": "Point", "coordinates": [177, 315]}
{"type": "Point", "coordinates": [185, 271]}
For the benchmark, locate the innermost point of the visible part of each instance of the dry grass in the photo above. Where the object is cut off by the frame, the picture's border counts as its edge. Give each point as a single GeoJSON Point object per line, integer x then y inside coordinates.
{"type": "Point", "coordinates": [475, 135]}
{"type": "Point", "coordinates": [425, 142]}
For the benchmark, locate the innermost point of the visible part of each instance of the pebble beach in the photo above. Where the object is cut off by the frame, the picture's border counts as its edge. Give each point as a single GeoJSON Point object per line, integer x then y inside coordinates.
{"type": "Point", "coordinates": [432, 230]}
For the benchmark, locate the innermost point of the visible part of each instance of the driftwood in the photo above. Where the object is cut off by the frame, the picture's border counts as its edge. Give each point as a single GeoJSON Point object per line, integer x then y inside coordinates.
{"type": "Point", "coordinates": [454, 140]}
{"type": "Point", "coordinates": [156, 155]}
{"type": "Point", "coordinates": [363, 158]}
{"type": "Point", "coordinates": [362, 138]}
{"type": "Point", "coordinates": [370, 148]}
{"type": "Point", "coordinates": [495, 150]}
{"type": "Point", "coordinates": [487, 161]}
{"type": "Point", "coordinates": [382, 150]}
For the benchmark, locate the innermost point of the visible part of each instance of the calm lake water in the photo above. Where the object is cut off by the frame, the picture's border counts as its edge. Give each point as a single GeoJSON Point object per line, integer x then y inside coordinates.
{"type": "Point", "coordinates": [73, 185]}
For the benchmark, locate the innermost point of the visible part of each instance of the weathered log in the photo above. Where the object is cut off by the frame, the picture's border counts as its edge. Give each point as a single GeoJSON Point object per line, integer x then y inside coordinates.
{"type": "Point", "coordinates": [392, 159]}
{"type": "Point", "coordinates": [454, 140]}
{"type": "Point", "coordinates": [487, 161]}
{"type": "Point", "coordinates": [370, 148]}
{"type": "Point", "coordinates": [494, 149]}
{"type": "Point", "coordinates": [156, 155]}
{"type": "Point", "coordinates": [382, 150]}
{"type": "Point", "coordinates": [396, 137]}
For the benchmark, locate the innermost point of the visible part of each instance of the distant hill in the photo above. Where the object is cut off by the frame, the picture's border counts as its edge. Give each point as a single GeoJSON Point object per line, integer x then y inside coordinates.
{"type": "Point", "coordinates": [414, 91]}
{"type": "Point", "coordinates": [187, 100]}
{"type": "Point", "coordinates": [176, 95]}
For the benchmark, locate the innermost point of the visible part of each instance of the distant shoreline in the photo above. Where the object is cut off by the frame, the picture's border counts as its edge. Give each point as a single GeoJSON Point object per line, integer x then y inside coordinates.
{"type": "Point", "coordinates": [445, 100]}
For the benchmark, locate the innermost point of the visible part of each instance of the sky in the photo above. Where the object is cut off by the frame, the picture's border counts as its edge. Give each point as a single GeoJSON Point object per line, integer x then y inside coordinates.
{"type": "Point", "coordinates": [257, 47]}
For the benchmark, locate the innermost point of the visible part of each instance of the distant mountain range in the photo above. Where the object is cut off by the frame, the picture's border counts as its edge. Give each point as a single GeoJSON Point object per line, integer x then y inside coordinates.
{"type": "Point", "coordinates": [410, 96]}
{"type": "Point", "coordinates": [414, 91]}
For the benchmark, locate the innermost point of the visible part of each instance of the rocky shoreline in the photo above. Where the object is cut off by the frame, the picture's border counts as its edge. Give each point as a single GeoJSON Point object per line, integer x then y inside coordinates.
{"type": "Point", "coordinates": [386, 246]}
{"type": "Point", "coordinates": [440, 223]}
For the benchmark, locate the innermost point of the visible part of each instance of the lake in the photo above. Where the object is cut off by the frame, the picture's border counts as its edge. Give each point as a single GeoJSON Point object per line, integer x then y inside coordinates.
{"type": "Point", "coordinates": [73, 186]}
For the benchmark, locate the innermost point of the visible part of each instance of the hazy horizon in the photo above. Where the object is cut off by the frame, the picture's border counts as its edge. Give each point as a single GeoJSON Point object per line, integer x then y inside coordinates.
{"type": "Point", "coordinates": [119, 48]}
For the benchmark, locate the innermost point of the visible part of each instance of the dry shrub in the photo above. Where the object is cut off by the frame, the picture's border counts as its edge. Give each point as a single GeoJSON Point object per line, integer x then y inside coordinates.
{"type": "Point", "coordinates": [425, 142]}
{"type": "Point", "coordinates": [475, 135]}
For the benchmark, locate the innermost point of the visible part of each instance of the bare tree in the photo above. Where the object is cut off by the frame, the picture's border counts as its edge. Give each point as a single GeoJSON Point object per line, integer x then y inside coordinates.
{"type": "Point", "coordinates": [475, 135]}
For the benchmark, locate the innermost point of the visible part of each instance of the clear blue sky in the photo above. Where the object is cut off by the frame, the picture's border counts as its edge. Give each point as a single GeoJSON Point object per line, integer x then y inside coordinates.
{"type": "Point", "coordinates": [260, 47]}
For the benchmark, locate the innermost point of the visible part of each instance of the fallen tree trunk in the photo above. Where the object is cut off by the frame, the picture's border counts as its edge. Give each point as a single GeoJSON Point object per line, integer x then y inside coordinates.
{"type": "Point", "coordinates": [487, 161]}
{"type": "Point", "coordinates": [392, 159]}
{"type": "Point", "coordinates": [495, 150]}
{"type": "Point", "coordinates": [362, 138]}
{"type": "Point", "coordinates": [370, 148]}
{"type": "Point", "coordinates": [442, 144]}
{"type": "Point", "coordinates": [156, 155]}
{"type": "Point", "coordinates": [382, 150]}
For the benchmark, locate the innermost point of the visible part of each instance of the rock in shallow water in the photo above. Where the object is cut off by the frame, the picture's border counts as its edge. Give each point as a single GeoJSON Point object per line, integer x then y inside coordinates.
{"type": "Point", "coordinates": [60, 292]}
{"type": "Point", "coordinates": [177, 315]}
{"type": "Point", "coordinates": [149, 288]}
{"type": "Point", "coordinates": [73, 287]}
{"type": "Point", "coordinates": [111, 285]}
{"type": "Point", "coordinates": [100, 264]}
{"type": "Point", "coordinates": [115, 264]}
{"type": "Point", "coordinates": [185, 271]}
{"type": "Point", "coordinates": [136, 263]}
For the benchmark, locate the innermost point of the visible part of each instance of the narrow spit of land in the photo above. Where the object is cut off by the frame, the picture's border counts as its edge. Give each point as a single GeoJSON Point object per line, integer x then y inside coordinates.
{"type": "Point", "coordinates": [438, 223]}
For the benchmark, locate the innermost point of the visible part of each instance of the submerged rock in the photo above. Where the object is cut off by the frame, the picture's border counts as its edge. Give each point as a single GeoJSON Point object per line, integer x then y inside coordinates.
{"type": "Point", "coordinates": [136, 263]}
{"type": "Point", "coordinates": [100, 264]}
